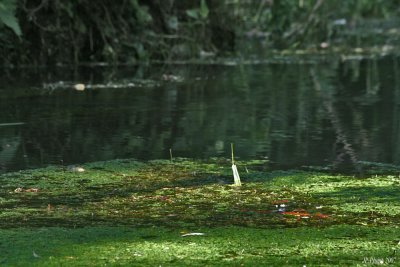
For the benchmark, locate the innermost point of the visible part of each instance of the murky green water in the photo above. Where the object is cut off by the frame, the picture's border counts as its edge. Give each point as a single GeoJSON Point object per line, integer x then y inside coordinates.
{"type": "Point", "coordinates": [295, 114]}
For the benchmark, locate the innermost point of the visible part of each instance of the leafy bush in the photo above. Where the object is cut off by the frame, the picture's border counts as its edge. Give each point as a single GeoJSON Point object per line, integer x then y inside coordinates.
{"type": "Point", "coordinates": [42, 32]}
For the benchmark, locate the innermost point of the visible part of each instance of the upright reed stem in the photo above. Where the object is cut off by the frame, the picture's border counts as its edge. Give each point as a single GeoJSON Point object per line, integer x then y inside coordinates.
{"type": "Point", "coordinates": [233, 160]}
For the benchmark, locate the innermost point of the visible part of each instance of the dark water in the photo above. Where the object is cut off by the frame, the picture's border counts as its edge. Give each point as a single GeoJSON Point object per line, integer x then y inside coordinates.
{"type": "Point", "coordinates": [295, 114]}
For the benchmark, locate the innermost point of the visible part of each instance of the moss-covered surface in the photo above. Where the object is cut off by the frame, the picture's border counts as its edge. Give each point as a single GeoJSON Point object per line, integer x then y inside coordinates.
{"type": "Point", "coordinates": [125, 212]}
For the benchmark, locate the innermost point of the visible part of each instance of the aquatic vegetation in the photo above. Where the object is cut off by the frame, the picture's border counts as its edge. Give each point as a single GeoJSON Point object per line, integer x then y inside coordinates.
{"type": "Point", "coordinates": [188, 212]}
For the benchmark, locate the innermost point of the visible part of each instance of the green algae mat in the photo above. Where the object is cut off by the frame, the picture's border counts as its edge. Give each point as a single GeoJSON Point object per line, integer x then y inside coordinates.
{"type": "Point", "coordinates": [187, 213]}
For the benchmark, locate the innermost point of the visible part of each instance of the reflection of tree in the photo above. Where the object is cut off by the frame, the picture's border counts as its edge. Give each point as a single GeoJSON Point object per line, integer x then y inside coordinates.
{"type": "Point", "coordinates": [8, 149]}
{"type": "Point", "coordinates": [345, 155]}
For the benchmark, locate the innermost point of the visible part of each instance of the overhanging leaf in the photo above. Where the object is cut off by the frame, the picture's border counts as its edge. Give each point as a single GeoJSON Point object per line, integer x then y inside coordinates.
{"type": "Point", "coordinates": [7, 17]}
{"type": "Point", "coordinates": [203, 9]}
{"type": "Point", "coordinates": [193, 13]}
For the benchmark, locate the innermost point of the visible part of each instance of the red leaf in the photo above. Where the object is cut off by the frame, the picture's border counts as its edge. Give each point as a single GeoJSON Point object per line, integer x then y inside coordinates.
{"type": "Point", "coordinates": [320, 216]}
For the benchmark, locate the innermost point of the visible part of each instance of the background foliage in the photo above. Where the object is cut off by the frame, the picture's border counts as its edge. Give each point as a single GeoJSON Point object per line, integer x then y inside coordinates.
{"type": "Point", "coordinates": [62, 32]}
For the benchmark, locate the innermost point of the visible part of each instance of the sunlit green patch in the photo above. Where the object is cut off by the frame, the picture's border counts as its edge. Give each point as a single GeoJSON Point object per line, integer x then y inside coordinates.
{"type": "Point", "coordinates": [303, 181]}
{"type": "Point", "coordinates": [130, 246]}
{"type": "Point", "coordinates": [388, 209]}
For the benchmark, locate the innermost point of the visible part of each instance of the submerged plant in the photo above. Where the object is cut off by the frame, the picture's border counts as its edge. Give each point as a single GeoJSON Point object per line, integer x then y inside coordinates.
{"type": "Point", "coordinates": [236, 176]}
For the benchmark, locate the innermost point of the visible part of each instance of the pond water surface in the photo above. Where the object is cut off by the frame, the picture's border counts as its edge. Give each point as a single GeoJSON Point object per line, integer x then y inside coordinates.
{"type": "Point", "coordinates": [292, 113]}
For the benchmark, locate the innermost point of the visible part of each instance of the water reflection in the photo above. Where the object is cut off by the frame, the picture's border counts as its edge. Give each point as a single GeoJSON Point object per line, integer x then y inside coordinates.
{"type": "Point", "coordinates": [336, 112]}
